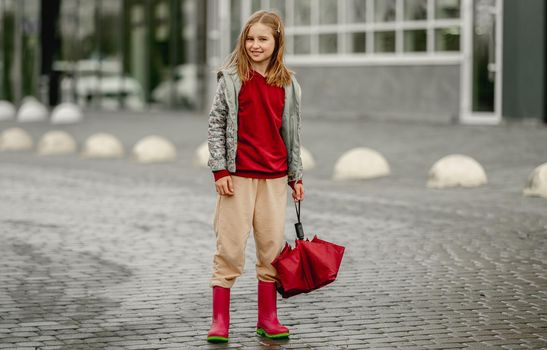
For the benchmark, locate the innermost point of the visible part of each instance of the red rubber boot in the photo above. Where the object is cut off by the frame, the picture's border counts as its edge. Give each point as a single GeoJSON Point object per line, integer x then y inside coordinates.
{"type": "Point", "coordinates": [221, 316]}
{"type": "Point", "coordinates": [268, 325]}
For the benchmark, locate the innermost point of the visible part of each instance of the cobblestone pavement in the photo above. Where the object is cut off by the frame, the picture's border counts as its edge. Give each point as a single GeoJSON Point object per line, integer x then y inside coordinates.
{"type": "Point", "coordinates": [117, 255]}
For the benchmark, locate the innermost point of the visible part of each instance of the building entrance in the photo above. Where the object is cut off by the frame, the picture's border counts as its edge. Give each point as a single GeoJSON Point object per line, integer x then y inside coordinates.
{"type": "Point", "coordinates": [481, 88]}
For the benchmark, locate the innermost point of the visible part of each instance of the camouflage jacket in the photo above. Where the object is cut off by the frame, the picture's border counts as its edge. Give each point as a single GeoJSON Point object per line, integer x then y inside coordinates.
{"type": "Point", "coordinates": [222, 133]}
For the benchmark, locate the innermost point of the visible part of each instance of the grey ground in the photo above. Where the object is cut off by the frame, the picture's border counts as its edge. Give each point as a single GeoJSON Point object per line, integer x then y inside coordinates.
{"type": "Point", "coordinates": [117, 255]}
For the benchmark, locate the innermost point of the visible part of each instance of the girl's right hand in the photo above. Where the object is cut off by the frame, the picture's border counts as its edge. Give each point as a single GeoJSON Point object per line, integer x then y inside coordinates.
{"type": "Point", "coordinates": [225, 186]}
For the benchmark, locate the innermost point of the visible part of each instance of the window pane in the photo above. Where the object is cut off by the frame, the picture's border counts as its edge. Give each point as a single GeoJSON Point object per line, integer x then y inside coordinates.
{"type": "Point", "coordinates": [31, 49]}
{"type": "Point", "coordinates": [357, 11]}
{"type": "Point", "coordinates": [415, 10]}
{"type": "Point", "coordinates": [159, 51]}
{"type": "Point", "coordinates": [484, 56]}
{"type": "Point", "coordinates": [8, 50]}
{"type": "Point", "coordinates": [384, 10]}
{"type": "Point", "coordinates": [179, 85]}
{"type": "Point", "coordinates": [415, 40]}
{"type": "Point", "coordinates": [68, 29]}
{"type": "Point", "coordinates": [328, 12]}
{"type": "Point", "coordinates": [447, 9]}
{"type": "Point", "coordinates": [279, 7]}
{"type": "Point", "coordinates": [3, 92]}
{"type": "Point", "coordinates": [76, 63]}
{"type": "Point", "coordinates": [302, 12]}
{"type": "Point", "coordinates": [87, 44]}
{"type": "Point", "coordinates": [289, 41]}
{"type": "Point", "coordinates": [113, 91]}
{"type": "Point", "coordinates": [136, 50]}
{"type": "Point", "coordinates": [447, 39]}
{"type": "Point", "coordinates": [235, 22]}
{"type": "Point", "coordinates": [384, 41]}
{"type": "Point", "coordinates": [359, 42]}
{"type": "Point", "coordinates": [255, 6]}
{"type": "Point", "coordinates": [301, 44]}
{"type": "Point", "coordinates": [328, 43]}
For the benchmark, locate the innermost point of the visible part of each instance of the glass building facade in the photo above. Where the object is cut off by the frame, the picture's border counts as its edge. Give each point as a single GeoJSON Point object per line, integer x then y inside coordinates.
{"type": "Point", "coordinates": [439, 60]}
{"type": "Point", "coordinates": [361, 27]}
{"type": "Point", "coordinates": [364, 58]}
{"type": "Point", "coordinates": [105, 54]}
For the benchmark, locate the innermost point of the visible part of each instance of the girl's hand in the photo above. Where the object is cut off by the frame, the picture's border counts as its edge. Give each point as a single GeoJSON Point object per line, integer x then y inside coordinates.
{"type": "Point", "coordinates": [298, 192]}
{"type": "Point", "coordinates": [225, 186]}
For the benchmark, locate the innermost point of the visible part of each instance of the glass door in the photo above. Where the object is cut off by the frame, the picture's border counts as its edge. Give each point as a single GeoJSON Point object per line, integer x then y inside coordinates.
{"type": "Point", "coordinates": [481, 95]}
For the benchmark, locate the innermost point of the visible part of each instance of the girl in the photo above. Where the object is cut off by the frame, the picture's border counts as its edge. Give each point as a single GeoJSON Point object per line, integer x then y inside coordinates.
{"type": "Point", "coordinates": [254, 146]}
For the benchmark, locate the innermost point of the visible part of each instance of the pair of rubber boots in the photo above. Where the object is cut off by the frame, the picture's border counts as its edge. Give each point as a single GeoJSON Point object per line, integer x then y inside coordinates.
{"type": "Point", "coordinates": [267, 326]}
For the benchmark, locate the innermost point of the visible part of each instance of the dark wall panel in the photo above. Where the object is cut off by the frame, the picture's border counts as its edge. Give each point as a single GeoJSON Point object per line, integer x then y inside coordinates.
{"type": "Point", "coordinates": [524, 75]}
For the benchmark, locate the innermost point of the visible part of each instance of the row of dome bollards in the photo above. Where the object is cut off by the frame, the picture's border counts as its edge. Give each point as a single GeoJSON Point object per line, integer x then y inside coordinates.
{"type": "Point", "coordinates": [361, 163]}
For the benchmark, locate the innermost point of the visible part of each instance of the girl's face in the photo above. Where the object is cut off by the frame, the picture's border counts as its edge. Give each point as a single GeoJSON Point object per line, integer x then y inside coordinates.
{"type": "Point", "coordinates": [260, 43]}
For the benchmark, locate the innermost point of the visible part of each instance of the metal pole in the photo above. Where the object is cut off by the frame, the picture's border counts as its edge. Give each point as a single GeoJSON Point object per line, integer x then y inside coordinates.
{"type": "Point", "coordinates": [75, 56]}
{"type": "Point", "coordinates": [121, 33]}
{"type": "Point", "coordinates": [2, 31]}
{"type": "Point", "coordinates": [545, 64]}
{"type": "Point", "coordinates": [173, 49]}
{"type": "Point", "coordinates": [98, 94]}
{"type": "Point", "coordinates": [149, 14]}
{"type": "Point", "coordinates": [17, 54]}
{"type": "Point", "coordinates": [38, 56]}
{"type": "Point", "coordinates": [201, 46]}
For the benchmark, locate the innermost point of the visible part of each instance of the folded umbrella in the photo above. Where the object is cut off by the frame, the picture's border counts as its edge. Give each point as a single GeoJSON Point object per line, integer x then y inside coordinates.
{"type": "Point", "coordinates": [309, 265]}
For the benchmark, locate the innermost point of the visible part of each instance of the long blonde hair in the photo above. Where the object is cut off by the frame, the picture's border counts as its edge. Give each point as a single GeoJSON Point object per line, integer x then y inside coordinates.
{"type": "Point", "coordinates": [276, 73]}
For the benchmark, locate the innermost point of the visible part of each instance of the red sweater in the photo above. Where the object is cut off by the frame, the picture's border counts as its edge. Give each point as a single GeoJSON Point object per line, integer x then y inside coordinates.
{"type": "Point", "coordinates": [261, 152]}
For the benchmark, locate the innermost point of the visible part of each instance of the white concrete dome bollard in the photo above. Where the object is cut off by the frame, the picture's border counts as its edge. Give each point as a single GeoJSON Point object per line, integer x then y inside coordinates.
{"type": "Point", "coordinates": [308, 162]}
{"type": "Point", "coordinates": [32, 110]}
{"type": "Point", "coordinates": [154, 149]}
{"type": "Point", "coordinates": [201, 156]}
{"type": "Point", "coordinates": [456, 170]}
{"type": "Point", "coordinates": [66, 113]}
{"type": "Point", "coordinates": [7, 110]}
{"type": "Point", "coordinates": [56, 142]}
{"type": "Point", "coordinates": [102, 145]}
{"type": "Point", "coordinates": [537, 183]}
{"type": "Point", "coordinates": [361, 163]}
{"type": "Point", "coordinates": [15, 139]}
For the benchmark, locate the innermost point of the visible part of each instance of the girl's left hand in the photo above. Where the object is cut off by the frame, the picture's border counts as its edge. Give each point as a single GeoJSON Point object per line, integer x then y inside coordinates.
{"type": "Point", "coordinates": [298, 192]}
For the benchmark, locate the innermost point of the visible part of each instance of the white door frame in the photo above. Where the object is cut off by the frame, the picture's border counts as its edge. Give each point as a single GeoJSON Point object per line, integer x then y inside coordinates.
{"type": "Point", "coordinates": [467, 116]}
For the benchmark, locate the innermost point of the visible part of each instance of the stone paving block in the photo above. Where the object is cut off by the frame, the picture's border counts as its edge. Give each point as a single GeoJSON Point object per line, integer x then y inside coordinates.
{"type": "Point", "coordinates": [42, 338]}
{"type": "Point", "coordinates": [29, 344]}
{"type": "Point", "coordinates": [444, 346]}
{"type": "Point", "coordinates": [76, 335]}
{"type": "Point", "coordinates": [536, 343]}
{"type": "Point", "coordinates": [58, 327]}
{"type": "Point", "coordinates": [10, 339]}
{"type": "Point", "coordinates": [483, 338]}
{"type": "Point", "coordinates": [514, 346]}
{"type": "Point", "coordinates": [52, 342]}
{"type": "Point", "coordinates": [503, 342]}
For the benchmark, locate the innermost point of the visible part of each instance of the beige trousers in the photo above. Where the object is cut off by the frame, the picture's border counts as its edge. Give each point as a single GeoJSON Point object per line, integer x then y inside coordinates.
{"type": "Point", "coordinates": [256, 203]}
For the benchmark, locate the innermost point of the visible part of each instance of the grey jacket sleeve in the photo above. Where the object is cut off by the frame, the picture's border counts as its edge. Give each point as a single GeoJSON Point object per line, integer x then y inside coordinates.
{"type": "Point", "coordinates": [295, 169]}
{"type": "Point", "coordinates": [216, 138]}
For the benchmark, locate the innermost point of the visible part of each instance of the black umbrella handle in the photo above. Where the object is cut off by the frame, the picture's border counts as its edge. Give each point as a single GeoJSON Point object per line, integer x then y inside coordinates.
{"type": "Point", "coordinates": [298, 226]}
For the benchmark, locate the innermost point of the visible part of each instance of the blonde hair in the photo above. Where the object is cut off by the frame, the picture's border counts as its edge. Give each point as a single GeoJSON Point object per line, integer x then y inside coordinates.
{"type": "Point", "coordinates": [276, 73]}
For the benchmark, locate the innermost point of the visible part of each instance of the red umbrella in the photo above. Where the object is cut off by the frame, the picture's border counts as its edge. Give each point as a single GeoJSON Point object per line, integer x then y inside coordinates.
{"type": "Point", "coordinates": [309, 265]}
